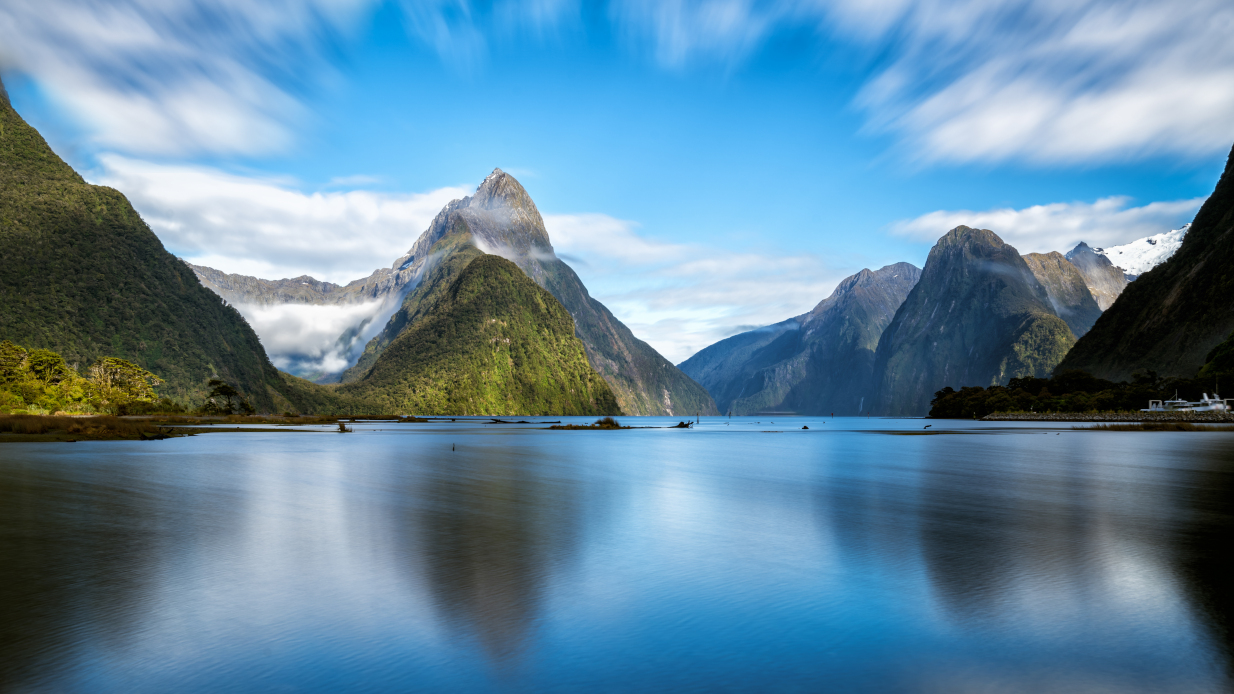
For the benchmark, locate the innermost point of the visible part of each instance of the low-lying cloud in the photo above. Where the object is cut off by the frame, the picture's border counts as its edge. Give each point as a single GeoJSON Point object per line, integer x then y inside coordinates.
{"type": "Point", "coordinates": [301, 338]}
{"type": "Point", "coordinates": [1059, 226]}
{"type": "Point", "coordinates": [269, 228]}
{"type": "Point", "coordinates": [681, 298]}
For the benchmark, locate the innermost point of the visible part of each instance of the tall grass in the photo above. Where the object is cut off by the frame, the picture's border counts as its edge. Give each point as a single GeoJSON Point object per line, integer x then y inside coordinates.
{"type": "Point", "coordinates": [86, 427]}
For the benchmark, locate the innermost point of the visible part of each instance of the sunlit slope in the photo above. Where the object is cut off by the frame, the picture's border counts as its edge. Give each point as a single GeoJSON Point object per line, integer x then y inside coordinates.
{"type": "Point", "coordinates": [1067, 289]}
{"type": "Point", "coordinates": [487, 340]}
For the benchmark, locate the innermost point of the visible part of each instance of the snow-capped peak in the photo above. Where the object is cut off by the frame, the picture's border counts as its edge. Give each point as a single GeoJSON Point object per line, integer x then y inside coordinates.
{"type": "Point", "coordinates": [1142, 255]}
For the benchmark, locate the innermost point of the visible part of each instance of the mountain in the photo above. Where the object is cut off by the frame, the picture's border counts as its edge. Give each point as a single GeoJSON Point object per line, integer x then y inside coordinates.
{"type": "Point", "coordinates": [501, 219]}
{"type": "Point", "coordinates": [1173, 315]}
{"type": "Point", "coordinates": [816, 363]}
{"type": "Point", "coordinates": [82, 275]}
{"type": "Point", "coordinates": [1066, 288]}
{"type": "Point", "coordinates": [1105, 282]}
{"type": "Point", "coordinates": [978, 316]}
{"type": "Point", "coordinates": [1142, 255]}
{"type": "Point", "coordinates": [493, 342]}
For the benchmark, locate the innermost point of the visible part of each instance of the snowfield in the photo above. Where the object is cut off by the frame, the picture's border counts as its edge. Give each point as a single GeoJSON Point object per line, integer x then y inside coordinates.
{"type": "Point", "coordinates": [1142, 255]}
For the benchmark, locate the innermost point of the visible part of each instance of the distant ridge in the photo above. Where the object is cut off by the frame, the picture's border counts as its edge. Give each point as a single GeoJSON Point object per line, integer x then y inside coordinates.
{"type": "Point", "coordinates": [1105, 282]}
{"type": "Point", "coordinates": [816, 363]}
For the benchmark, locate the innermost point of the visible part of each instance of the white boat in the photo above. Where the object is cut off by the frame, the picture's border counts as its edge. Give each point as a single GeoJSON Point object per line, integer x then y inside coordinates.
{"type": "Point", "coordinates": [1205, 404]}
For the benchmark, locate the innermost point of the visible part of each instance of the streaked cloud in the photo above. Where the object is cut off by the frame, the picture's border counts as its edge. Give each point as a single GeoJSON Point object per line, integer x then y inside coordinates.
{"type": "Point", "coordinates": [176, 77]}
{"type": "Point", "coordinates": [681, 298]}
{"type": "Point", "coordinates": [992, 80]}
{"type": "Point", "coordinates": [1059, 226]}
{"type": "Point", "coordinates": [1053, 82]}
{"type": "Point", "coordinates": [268, 227]}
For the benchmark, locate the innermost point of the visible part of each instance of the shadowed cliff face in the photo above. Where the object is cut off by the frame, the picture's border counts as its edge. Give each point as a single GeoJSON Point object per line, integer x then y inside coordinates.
{"type": "Point", "coordinates": [977, 317]}
{"type": "Point", "coordinates": [1105, 282]}
{"type": "Point", "coordinates": [501, 219]}
{"type": "Point", "coordinates": [1173, 315]}
{"type": "Point", "coordinates": [816, 363]}
{"type": "Point", "coordinates": [1066, 288]}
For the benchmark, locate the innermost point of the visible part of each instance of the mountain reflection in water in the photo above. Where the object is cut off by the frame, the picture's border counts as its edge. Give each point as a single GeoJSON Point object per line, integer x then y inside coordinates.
{"type": "Point", "coordinates": [717, 558]}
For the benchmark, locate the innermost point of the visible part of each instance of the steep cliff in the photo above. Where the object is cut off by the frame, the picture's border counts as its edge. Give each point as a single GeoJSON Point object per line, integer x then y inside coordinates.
{"type": "Point", "coordinates": [977, 317]}
{"type": "Point", "coordinates": [816, 363]}
{"type": "Point", "coordinates": [1171, 317]}
{"type": "Point", "coordinates": [1067, 290]}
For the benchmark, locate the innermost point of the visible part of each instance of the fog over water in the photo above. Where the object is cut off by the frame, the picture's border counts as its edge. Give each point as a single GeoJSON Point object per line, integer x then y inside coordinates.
{"type": "Point", "coordinates": [742, 555]}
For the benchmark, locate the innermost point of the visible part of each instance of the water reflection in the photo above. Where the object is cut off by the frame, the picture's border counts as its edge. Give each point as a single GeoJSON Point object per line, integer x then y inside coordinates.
{"type": "Point", "coordinates": [495, 526]}
{"type": "Point", "coordinates": [75, 556]}
{"type": "Point", "coordinates": [1204, 549]}
{"type": "Point", "coordinates": [651, 560]}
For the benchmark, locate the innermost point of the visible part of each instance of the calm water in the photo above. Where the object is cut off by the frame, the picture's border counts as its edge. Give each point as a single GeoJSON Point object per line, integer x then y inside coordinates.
{"type": "Point", "coordinates": [720, 559]}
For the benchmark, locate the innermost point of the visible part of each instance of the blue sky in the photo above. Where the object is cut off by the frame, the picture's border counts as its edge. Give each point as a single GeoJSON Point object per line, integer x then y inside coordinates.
{"type": "Point", "coordinates": [705, 166]}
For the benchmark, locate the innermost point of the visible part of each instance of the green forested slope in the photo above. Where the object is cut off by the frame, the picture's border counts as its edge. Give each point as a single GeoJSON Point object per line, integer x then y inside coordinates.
{"type": "Point", "coordinates": [82, 275]}
{"type": "Point", "coordinates": [486, 341]}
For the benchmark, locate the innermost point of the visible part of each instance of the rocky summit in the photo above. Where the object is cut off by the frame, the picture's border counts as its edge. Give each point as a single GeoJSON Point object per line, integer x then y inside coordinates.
{"type": "Point", "coordinates": [978, 316]}
{"type": "Point", "coordinates": [816, 363]}
{"type": "Point", "coordinates": [1171, 317]}
{"type": "Point", "coordinates": [1105, 281]}
{"type": "Point", "coordinates": [501, 219]}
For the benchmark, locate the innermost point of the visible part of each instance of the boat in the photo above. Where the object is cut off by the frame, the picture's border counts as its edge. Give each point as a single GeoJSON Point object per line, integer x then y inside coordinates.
{"type": "Point", "coordinates": [1205, 404]}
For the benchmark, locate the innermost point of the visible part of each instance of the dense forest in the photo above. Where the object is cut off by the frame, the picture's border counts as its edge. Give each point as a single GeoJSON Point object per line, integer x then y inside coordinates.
{"type": "Point", "coordinates": [1075, 391]}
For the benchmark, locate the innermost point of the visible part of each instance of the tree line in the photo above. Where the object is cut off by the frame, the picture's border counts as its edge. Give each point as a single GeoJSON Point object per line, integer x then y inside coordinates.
{"type": "Point", "coordinates": [39, 381]}
{"type": "Point", "coordinates": [1070, 392]}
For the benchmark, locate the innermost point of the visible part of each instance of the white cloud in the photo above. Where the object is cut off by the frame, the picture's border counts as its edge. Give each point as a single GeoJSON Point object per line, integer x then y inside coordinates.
{"type": "Point", "coordinates": [681, 298]}
{"type": "Point", "coordinates": [175, 76]}
{"type": "Point", "coordinates": [1058, 226]}
{"type": "Point", "coordinates": [266, 227]}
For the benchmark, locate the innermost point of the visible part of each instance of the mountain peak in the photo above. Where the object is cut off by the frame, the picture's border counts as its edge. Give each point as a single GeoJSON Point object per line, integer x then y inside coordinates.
{"type": "Point", "coordinates": [500, 189]}
{"type": "Point", "coordinates": [965, 236]}
{"type": "Point", "coordinates": [1079, 248]}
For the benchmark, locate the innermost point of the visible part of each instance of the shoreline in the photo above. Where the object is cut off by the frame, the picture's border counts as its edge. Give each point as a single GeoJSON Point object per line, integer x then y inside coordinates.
{"type": "Point", "coordinates": [1110, 417]}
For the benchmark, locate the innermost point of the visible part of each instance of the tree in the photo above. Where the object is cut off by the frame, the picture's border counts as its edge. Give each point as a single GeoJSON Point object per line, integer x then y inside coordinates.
{"type": "Point", "coordinates": [116, 382]}
{"type": "Point", "coordinates": [224, 399]}
{"type": "Point", "coordinates": [12, 363]}
{"type": "Point", "coordinates": [47, 366]}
